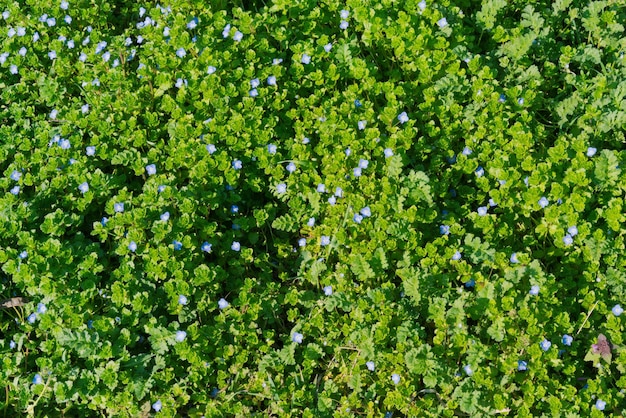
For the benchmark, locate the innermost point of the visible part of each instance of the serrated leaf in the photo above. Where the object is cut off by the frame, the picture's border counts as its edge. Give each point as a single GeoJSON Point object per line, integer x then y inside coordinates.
{"type": "Point", "coordinates": [286, 222]}
{"type": "Point", "coordinates": [360, 267]}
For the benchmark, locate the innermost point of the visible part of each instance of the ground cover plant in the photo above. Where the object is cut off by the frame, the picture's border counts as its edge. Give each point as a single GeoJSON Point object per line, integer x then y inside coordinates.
{"type": "Point", "coordinates": [312, 208]}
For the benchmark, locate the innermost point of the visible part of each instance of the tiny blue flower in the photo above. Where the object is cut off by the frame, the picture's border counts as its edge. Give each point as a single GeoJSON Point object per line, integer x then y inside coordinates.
{"type": "Point", "coordinates": [32, 318]}
{"type": "Point", "coordinates": [37, 380]}
{"type": "Point", "coordinates": [118, 207]}
{"type": "Point", "coordinates": [502, 98]}
{"type": "Point", "coordinates": [321, 188]}
{"type": "Point", "coordinates": [457, 256]}
{"type": "Point", "coordinates": [104, 221]}
{"type": "Point", "coordinates": [238, 36]}
{"type": "Point", "coordinates": [235, 246]}
{"type": "Point", "coordinates": [370, 366]}
{"type": "Point", "coordinates": [388, 152]}
{"type": "Point", "coordinates": [211, 69]}
{"type": "Point", "coordinates": [442, 23]}
{"type": "Point", "coordinates": [520, 101]}
{"type": "Point", "coordinates": [271, 148]}
{"type": "Point", "coordinates": [12, 345]}
{"type": "Point", "coordinates": [356, 172]}
{"type": "Point", "coordinates": [363, 163]}
{"type": "Point", "coordinates": [444, 229]}
{"type": "Point", "coordinates": [13, 69]}
{"type": "Point", "coordinates": [311, 222]}
{"type": "Point", "coordinates": [514, 259]}
{"type": "Point", "coordinates": [470, 284]}
{"type": "Point", "coordinates": [180, 336]}
{"type": "Point", "coordinates": [545, 345]}
{"type": "Point", "coordinates": [253, 93]}
{"type": "Point", "coordinates": [41, 308]}
{"type": "Point", "coordinates": [466, 151]}
{"type": "Point", "coordinates": [277, 61]}
{"type": "Point", "coordinates": [65, 144]}
{"type": "Point", "coordinates": [193, 23]}
{"type": "Point", "coordinates": [492, 203]}
{"type": "Point", "coordinates": [591, 151]}
{"type": "Point", "coordinates": [362, 124]}
{"type": "Point", "coordinates": [328, 290]}
{"type": "Point", "coordinates": [482, 211]}
{"type": "Point", "coordinates": [534, 290]}
{"type": "Point", "coordinates": [305, 59]}
{"type": "Point", "coordinates": [271, 80]}
{"type": "Point", "coordinates": [160, 188]}
{"type": "Point", "coordinates": [328, 47]}
{"type": "Point", "coordinates": [305, 140]}
{"type": "Point", "coordinates": [211, 148]}
{"type": "Point", "coordinates": [281, 188]}
{"type": "Point", "coordinates": [226, 31]}
{"type": "Point", "coordinates": [600, 405]}
{"type": "Point", "coordinates": [54, 113]}
{"type": "Point", "coordinates": [132, 246]}
{"type": "Point", "coordinates": [572, 230]}
{"type": "Point", "coordinates": [479, 172]}
{"type": "Point", "coordinates": [344, 14]}
{"type": "Point", "coordinates": [52, 55]}
{"type": "Point", "coordinates": [366, 212]}
{"type": "Point", "coordinates": [522, 365]}
{"type": "Point", "coordinates": [468, 370]}
{"type": "Point", "coordinates": [237, 164]}
{"type": "Point", "coordinates": [297, 338]}
{"type": "Point", "coordinates": [83, 187]}
{"type": "Point", "coordinates": [357, 218]}
{"type": "Point", "coordinates": [343, 25]}
{"type": "Point", "coordinates": [403, 117]}
{"type": "Point", "coordinates": [543, 202]}
{"type": "Point", "coordinates": [348, 151]}
{"type": "Point", "coordinates": [325, 240]}
{"type": "Point", "coordinates": [157, 406]}
{"type": "Point", "coordinates": [617, 310]}
{"type": "Point", "coordinates": [338, 192]}
{"type": "Point", "coordinates": [395, 378]}
{"type": "Point", "coordinates": [234, 209]}
{"type": "Point", "coordinates": [180, 52]}
{"type": "Point", "coordinates": [567, 339]}
{"type": "Point", "coordinates": [568, 240]}
{"type": "Point", "coordinates": [222, 304]}
{"type": "Point", "coordinates": [206, 247]}
{"type": "Point", "coordinates": [302, 242]}
{"type": "Point", "coordinates": [165, 216]}
{"type": "Point", "coordinates": [332, 200]}
{"type": "Point", "coordinates": [177, 245]}
{"type": "Point", "coordinates": [23, 254]}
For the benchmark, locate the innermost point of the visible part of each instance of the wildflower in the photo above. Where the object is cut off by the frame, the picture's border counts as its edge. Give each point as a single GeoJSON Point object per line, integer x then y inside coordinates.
{"type": "Point", "coordinates": [193, 23]}
{"type": "Point", "coordinates": [226, 31]}
{"type": "Point", "coordinates": [165, 216]}
{"type": "Point", "coordinates": [16, 175]}
{"type": "Point", "coordinates": [237, 164]}
{"type": "Point", "coordinates": [297, 338]}
{"type": "Point", "coordinates": [568, 240]}
{"type": "Point", "coordinates": [534, 290]}
{"type": "Point", "coordinates": [160, 188]}
{"type": "Point", "coordinates": [366, 212]}
{"type": "Point", "coordinates": [180, 336]}
{"type": "Point", "coordinates": [572, 230]}
{"type": "Point", "coordinates": [118, 207]}
{"type": "Point", "coordinates": [520, 101]}
{"type": "Point", "coordinates": [12, 345]}
{"type": "Point", "coordinates": [291, 167]}
{"type": "Point", "coordinates": [357, 218]}
{"type": "Point", "coordinates": [281, 188]}
{"type": "Point", "coordinates": [211, 69]}
{"type": "Point", "coordinates": [617, 310]}
{"type": "Point", "coordinates": [82, 57]}
{"type": "Point", "coordinates": [271, 80]}
{"type": "Point", "coordinates": [591, 151]}
{"type": "Point", "coordinates": [356, 172]}
{"type": "Point", "coordinates": [328, 47]}
{"type": "Point", "coordinates": [180, 52]}
{"type": "Point", "coordinates": [567, 339]}
{"type": "Point", "coordinates": [211, 148]}
{"type": "Point", "coordinates": [84, 108]}
{"type": "Point", "coordinates": [253, 93]}
{"type": "Point", "coordinates": [370, 366]}
{"type": "Point", "coordinates": [13, 69]}
{"type": "Point", "coordinates": [321, 188]}
{"type": "Point", "coordinates": [37, 380]}
{"type": "Point", "coordinates": [482, 211]}
{"type": "Point", "coordinates": [395, 378]}
{"type": "Point", "coordinates": [64, 5]}
{"type": "Point", "coordinates": [343, 25]}
{"type": "Point", "coordinates": [479, 172]}
{"type": "Point", "coordinates": [362, 124]}
{"type": "Point", "coordinates": [21, 31]}
{"type": "Point", "coordinates": [363, 163]}
{"type": "Point", "coordinates": [514, 259]}
{"type": "Point", "coordinates": [328, 290]}
{"type": "Point", "coordinates": [492, 203]}
{"type": "Point", "coordinates": [277, 61]}
{"type": "Point", "coordinates": [444, 229]}
{"type": "Point", "coordinates": [545, 345]}
{"type": "Point", "coordinates": [600, 405]}
{"type": "Point", "coordinates": [468, 370]}
{"type": "Point", "coordinates": [234, 209]}
{"type": "Point", "coordinates": [15, 190]}
{"type": "Point", "coordinates": [442, 22]}
{"type": "Point", "coordinates": [206, 247]}
{"type": "Point", "coordinates": [543, 202]}
{"type": "Point", "coordinates": [302, 242]}
{"type": "Point", "coordinates": [235, 246]}
{"type": "Point", "coordinates": [23, 254]}
{"type": "Point", "coordinates": [83, 187]}
{"type": "Point", "coordinates": [403, 117]}
{"type": "Point", "coordinates": [54, 113]}
{"type": "Point", "coordinates": [311, 222]}
{"type": "Point", "coordinates": [466, 151]}
{"type": "Point", "coordinates": [177, 245]}
{"type": "Point", "coordinates": [388, 152]}
{"type": "Point", "coordinates": [306, 59]}
{"type": "Point", "coordinates": [502, 98]}
{"type": "Point", "coordinates": [521, 365]}
{"type": "Point", "coordinates": [157, 406]}
{"type": "Point", "coordinates": [238, 36]}
{"type": "Point", "coordinates": [325, 240]}
{"type": "Point", "coordinates": [132, 247]}
{"type": "Point", "coordinates": [457, 256]}
{"type": "Point", "coordinates": [348, 151]}
{"type": "Point", "coordinates": [344, 14]}
{"type": "Point", "coordinates": [32, 318]}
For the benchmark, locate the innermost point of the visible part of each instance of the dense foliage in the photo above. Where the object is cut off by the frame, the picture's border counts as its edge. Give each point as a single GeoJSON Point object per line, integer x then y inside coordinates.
{"type": "Point", "coordinates": [307, 208]}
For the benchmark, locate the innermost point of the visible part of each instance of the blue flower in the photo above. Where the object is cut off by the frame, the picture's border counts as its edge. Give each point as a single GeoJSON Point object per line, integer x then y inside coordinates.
{"type": "Point", "coordinates": [600, 405]}
{"type": "Point", "coordinates": [395, 378]}
{"type": "Point", "coordinates": [238, 36]}
{"type": "Point", "coordinates": [479, 172]}
{"type": "Point", "coordinates": [444, 229]}
{"type": "Point", "coordinates": [321, 188]}
{"type": "Point", "coordinates": [356, 172]}
{"type": "Point", "coordinates": [180, 52]}
{"type": "Point", "coordinates": [591, 151]}
{"type": "Point", "coordinates": [403, 117]}
{"type": "Point", "coordinates": [328, 290]}
{"type": "Point", "coordinates": [311, 222]}
{"type": "Point", "coordinates": [277, 61]}
{"type": "Point", "coordinates": [271, 148]}
{"type": "Point", "coordinates": [328, 47]}
{"type": "Point", "coordinates": [132, 246]}
{"type": "Point", "coordinates": [492, 203]}
{"type": "Point", "coordinates": [177, 245]}
{"type": "Point", "coordinates": [521, 365]}
{"type": "Point", "coordinates": [302, 242]}
{"type": "Point", "coordinates": [362, 124]}
{"type": "Point", "coordinates": [470, 284]}
{"type": "Point", "coordinates": [118, 207]}
{"type": "Point", "coordinates": [291, 167]}
{"type": "Point", "coordinates": [514, 259]}
{"type": "Point", "coordinates": [305, 59]}
{"type": "Point", "coordinates": [281, 188]}
{"type": "Point", "coordinates": [211, 148]}
{"type": "Point", "coordinates": [13, 69]}
{"type": "Point", "coordinates": [468, 370]}
{"type": "Point", "coordinates": [296, 337]}
{"type": "Point", "coordinates": [226, 31]}
{"type": "Point", "coordinates": [543, 202]}
{"type": "Point", "coordinates": [222, 304]}
{"type": "Point", "coordinates": [23, 255]}
{"type": "Point", "coordinates": [160, 188]}
{"type": "Point", "coordinates": [157, 406]}
{"type": "Point", "coordinates": [165, 216]}
{"type": "Point", "coordinates": [567, 339]}
{"type": "Point", "coordinates": [370, 366]}
{"type": "Point", "coordinates": [193, 23]}
{"type": "Point", "coordinates": [211, 69]}
{"type": "Point", "coordinates": [12, 345]}
{"type": "Point", "coordinates": [343, 25]}
{"type": "Point", "coordinates": [234, 209]}
{"type": "Point", "coordinates": [388, 152]}
{"type": "Point", "coordinates": [545, 345]}
{"type": "Point", "coordinates": [457, 256]}
{"type": "Point", "coordinates": [520, 101]}
{"type": "Point", "coordinates": [348, 151]}
{"type": "Point", "coordinates": [53, 114]}
{"type": "Point", "coordinates": [366, 212]}
{"type": "Point", "coordinates": [617, 310]}
{"type": "Point", "coordinates": [572, 230]}
{"type": "Point", "coordinates": [568, 240]}
{"type": "Point", "coordinates": [357, 218]}
{"type": "Point", "coordinates": [338, 192]}
{"type": "Point", "coordinates": [104, 220]}
{"type": "Point", "coordinates": [37, 380]}
{"type": "Point", "coordinates": [253, 93]}
{"type": "Point", "coordinates": [41, 308]}
{"type": "Point", "coordinates": [482, 211]}
{"type": "Point", "coordinates": [180, 336]}
{"type": "Point", "coordinates": [32, 318]}
{"type": "Point", "coordinates": [237, 164]}
{"type": "Point", "coordinates": [534, 290]}
{"type": "Point", "coordinates": [442, 23]}
{"type": "Point", "coordinates": [83, 187]}
{"type": "Point", "coordinates": [332, 200]}
{"type": "Point", "coordinates": [325, 240]}
{"type": "Point", "coordinates": [363, 163]}
{"type": "Point", "coordinates": [502, 98]}
{"type": "Point", "coordinates": [344, 14]}
{"type": "Point", "coordinates": [235, 246]}
{"type": "Point", "coordinates": [466, 151]}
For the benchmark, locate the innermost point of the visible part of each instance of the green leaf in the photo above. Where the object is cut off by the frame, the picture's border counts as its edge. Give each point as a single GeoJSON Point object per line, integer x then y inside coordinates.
{"type": "Point", "coordinates": [360, 267]}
